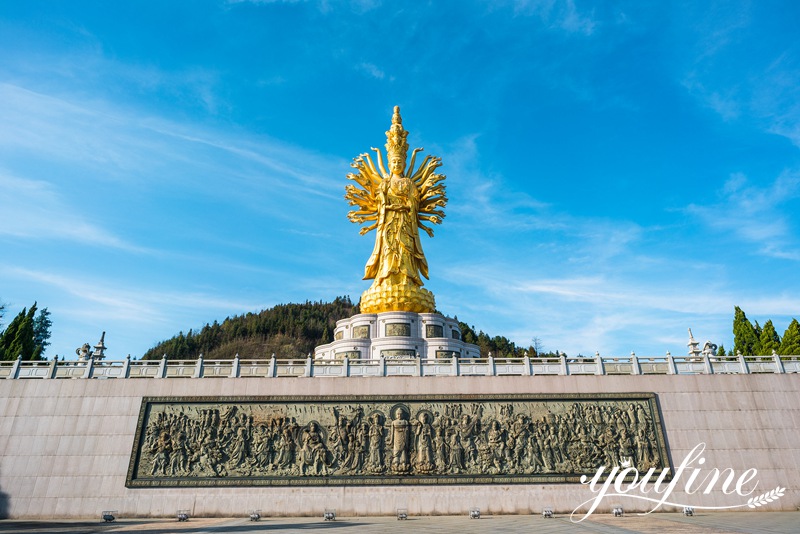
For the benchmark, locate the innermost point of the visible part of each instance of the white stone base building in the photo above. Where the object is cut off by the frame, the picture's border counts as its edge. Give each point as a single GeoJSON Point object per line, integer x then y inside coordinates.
{"type": "Point", "coordinates": [396, 336]}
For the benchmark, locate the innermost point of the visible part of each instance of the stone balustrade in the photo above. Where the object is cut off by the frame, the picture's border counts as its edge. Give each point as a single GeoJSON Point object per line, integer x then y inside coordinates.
{"type": "Point", "coordinates": [308, 367]}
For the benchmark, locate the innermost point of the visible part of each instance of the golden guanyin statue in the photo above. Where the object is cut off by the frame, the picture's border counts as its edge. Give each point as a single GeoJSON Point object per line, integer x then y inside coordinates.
{"type": "Point", "coordinates": [397, 203]}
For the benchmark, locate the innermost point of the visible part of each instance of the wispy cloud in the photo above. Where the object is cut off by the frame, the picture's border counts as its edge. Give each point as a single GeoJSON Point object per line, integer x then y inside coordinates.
{"type": "Point", "coordinates": [372, 70]}
{"type": "Point", "coordinates": [34, 209]}
{"type": "Point", "coordinates": [560, 14]}
{"type": "Point", "coordinates": [755, 214]}
{"type": "Point", "coordinates": [103, 300]}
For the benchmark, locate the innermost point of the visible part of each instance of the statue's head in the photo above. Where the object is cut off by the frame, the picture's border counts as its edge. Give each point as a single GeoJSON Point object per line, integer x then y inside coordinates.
{"type": "Point", "coordinates": [396, 144]}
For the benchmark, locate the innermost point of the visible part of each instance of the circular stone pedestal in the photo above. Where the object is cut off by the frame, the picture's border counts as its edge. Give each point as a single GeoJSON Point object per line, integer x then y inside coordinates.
{"type": "Point", "coordinates": [396, 335]}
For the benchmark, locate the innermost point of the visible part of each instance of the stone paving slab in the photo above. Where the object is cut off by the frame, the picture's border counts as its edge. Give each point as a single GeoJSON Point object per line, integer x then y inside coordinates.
{"type": "Point", "coordinates": [712, 523]}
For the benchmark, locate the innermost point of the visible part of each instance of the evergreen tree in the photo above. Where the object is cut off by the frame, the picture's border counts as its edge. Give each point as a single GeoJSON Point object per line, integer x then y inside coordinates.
{"type": "Point", "coordinates": [744, 335]}
{"type": "Point", "coordinates": [7, 350]}
{"type": "Point", "coordinates": [721, 350]}
{"type": "Point", "coordinates": [18, 338]}
{"type": "Point", "coordinates": [790, 345]}
{"type": "Point", "coordinates": [41, 333]}
{"type": "Point", "coordinates": [769, 340]}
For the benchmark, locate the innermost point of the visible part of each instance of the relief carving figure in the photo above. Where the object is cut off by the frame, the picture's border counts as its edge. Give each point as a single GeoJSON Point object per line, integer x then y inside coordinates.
{"type": "Point", "coordinates": [468, 430]}
{"type": "Point", "coordinates": [434, 440]}
{"type": "Point", "coordinates": [424, 460]}
{"type": "Point", "coordinates": [496, 446]}
{"type": "Point", "coordinates": [315, 454]}
{"type": "Point", "coordinates": [399, 435]}
{"type": "Point", "coordinates": [376, 438]}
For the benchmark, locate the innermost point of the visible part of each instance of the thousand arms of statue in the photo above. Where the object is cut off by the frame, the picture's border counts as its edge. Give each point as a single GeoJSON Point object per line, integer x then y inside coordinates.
{"type": "Point", "coordinates": [397, 203]}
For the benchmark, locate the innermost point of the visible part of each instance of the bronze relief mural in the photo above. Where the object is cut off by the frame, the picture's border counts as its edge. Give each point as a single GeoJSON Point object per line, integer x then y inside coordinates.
{"type": "Point", "coordinates": [246, 441]}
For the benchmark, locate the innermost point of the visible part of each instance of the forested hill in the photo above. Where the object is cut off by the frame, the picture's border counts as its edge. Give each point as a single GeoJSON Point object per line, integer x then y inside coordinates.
{"type": "Point", "coordinates": [289, 331]}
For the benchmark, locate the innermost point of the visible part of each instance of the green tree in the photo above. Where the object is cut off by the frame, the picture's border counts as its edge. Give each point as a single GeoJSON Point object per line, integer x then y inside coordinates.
{"type": "Point", "coordinates": [769, 340]}
{"type": "Point", "coordinates": [790, 345]}
{"type": "Point", "coordinates": [41, 333]}
{"type": "Point", "coordinates": [18, 337]}
{"type": "Point", "coordinates": [721, 350]}
{"type": "Point", "coordinates": [744, 334]}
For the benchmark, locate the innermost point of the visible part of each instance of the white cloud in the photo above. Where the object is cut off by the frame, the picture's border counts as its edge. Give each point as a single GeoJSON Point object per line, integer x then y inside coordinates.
{"type": "Point", "coordinates": [372, 70]}
{"type": "Point", "coordinates": [755, 214]}
{"type": "Point", "coordinates": [561, 14]}
{"type": "Point", "coordinates": [34, 209]}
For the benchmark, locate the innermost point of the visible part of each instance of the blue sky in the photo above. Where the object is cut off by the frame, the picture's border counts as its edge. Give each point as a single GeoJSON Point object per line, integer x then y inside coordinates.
{"type": "Point", "coordinates": [617, 171]}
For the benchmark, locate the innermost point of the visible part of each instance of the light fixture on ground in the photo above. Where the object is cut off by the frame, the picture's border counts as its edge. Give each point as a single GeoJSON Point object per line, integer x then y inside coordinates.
{"type": "Point", "coordinates": [688, 511]}
{"type": "Point", "coordinates": [108, 516]}
{"type": "Point", "coordinates": [547, 513]}
{"type": "Point", "coordinates": [474, 513]}
{"type": "Point", "coordinates": [255, 515]}
{"type": "Point", "coordinates": [402, 514]}
{"type": "Point", "coordinates": [329, 515]}
{"type": "Point", "coordinates": [183, 515]}
{"type": "Point", "coordinates": [617, 511]}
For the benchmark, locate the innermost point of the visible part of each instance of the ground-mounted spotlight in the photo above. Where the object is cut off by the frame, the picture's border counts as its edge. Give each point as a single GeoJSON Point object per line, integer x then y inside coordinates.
{"type": "Point", "coordinates": [108, 516]}
{"type": "Point", "coordinates": [474, 513]}
{"type": "Point", "coordinates": [547, 513]}
{"type": "Point", "coordinates": [329, 515]}
{"type": "Point", "coordinates": [617, 511]}
{"type": "Point", "coordinates": [688, 511]}
{"type": "Point", "coordinates": [183, 515]}
{"type": "Point", "coordinates": [402, 514]}
{"type": "Point", "coordinates": [255, 515]}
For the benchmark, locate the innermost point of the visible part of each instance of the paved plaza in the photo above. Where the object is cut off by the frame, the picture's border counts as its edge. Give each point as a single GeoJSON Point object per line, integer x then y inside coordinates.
{"type": "Point", "coordinates": [711, 523]}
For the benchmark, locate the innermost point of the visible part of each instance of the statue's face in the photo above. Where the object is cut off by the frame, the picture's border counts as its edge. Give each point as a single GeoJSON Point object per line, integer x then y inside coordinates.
{"type": "Point", "coordinates": [397, 165]}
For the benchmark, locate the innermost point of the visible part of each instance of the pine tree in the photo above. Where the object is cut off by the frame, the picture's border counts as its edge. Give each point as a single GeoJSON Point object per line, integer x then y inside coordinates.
{"type": "Point", "coordinates": [744, 335]}
{"type": "Point", "coordinates": [768, 340]}
{"type": "Point", "coordinates": [41, 333]}
{"type": "Point", "coordinates": [18, 339]}
{"type": "Point", "coordinates": [721, 350]}
{"type": "Point", "coordinates": [790, 346]}
{"type": "Point", "coordinates": [7, 350]}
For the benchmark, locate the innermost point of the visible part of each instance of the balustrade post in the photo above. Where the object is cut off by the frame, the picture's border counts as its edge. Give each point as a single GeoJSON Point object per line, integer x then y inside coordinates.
{"type": "Point", "coordinates": [162, 367]}
{"type": "Point", "coordinates": [527, 369]}
{"type": "Point", "coordinates": [15, 368]}
{"type": "Point", "coordinates": [743, 364]}
{"type": "Point", "coordinates": [672, 369]}
{"type": "Point", "coordinates": [87, 372]}
{"type": "Point", "coordinates": [309, 372]}
{"type": "Point", "coordinates": [707, 362]}
{"type": "Point", "coordinates": [346, 366]}
{"type": "Point", "coordinates": [456, 366]}
{"type": "Point", "coordinates": [635, 367]}
{"type": "Point", "coordinates": [778, 363]}
{"type": "Point", "coordinates": [235, 367]}
{"type": "Point", "coordinates": [563, 358]}
{"type": "Point", "coordinates": [199, 367]}
{"type": "Point", "coordinates": [272, 366]}
{"type": "Point", "coordinates": [418, 368]}
{"type": "Point", "coordinates": [126, 367]}
{"type": "Point", "coordinates": [600, 367]}
{"type": "Point", "coordinates": [51, 372]}
{"type": "Point", "coordinates": [490, 370]}
{"type": "Point", "coordinates": [383, 365]}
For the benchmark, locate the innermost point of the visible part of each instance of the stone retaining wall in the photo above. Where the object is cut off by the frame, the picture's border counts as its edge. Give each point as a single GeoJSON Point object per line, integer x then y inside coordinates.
{"type": "Point", "coordinates": [65, 445]}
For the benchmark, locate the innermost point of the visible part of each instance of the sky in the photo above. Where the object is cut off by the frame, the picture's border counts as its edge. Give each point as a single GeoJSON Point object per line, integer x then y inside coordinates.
{"type": "Point", "coordinates": [617, 172]}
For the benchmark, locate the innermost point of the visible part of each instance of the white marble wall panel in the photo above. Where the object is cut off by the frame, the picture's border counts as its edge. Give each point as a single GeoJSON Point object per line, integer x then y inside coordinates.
{"type": "Point", "coordinates": [65, 444]}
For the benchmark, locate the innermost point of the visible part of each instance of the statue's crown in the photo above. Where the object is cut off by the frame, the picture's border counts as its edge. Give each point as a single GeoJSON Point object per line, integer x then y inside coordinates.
{"type": "Point", "coordinates": [396, 144]}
